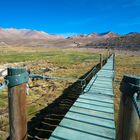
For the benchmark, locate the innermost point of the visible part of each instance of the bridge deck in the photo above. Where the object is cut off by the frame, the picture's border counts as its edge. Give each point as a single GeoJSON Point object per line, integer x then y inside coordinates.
{"type": "Point", "coordinates": [92, 115]}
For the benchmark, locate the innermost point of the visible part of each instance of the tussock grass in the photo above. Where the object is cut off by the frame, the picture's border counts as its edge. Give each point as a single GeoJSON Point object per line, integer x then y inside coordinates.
{"type": "Point", "coordinates": [62, 63]}
{"type": "Point", "coordinates": [126, 64]}
{"type": "Point", "coordinates": [53, 62]}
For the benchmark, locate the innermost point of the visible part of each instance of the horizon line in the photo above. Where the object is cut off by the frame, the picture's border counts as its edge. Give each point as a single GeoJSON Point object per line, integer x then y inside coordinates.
{"type": "Point", "coordinates": [67, 34]}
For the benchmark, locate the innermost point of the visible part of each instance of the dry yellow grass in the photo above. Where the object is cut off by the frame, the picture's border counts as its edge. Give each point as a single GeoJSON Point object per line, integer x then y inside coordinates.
{"type": "Point", "coordinates": [126, 64]}
{"type": "Point", "coordinates": [62, 63]}
{"type": "Point", "coordinates": [53, 62]}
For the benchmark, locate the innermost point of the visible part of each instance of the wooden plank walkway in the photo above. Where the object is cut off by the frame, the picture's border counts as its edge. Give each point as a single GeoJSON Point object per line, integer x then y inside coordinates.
{"type": "Point", "coordinates": [92, 115]}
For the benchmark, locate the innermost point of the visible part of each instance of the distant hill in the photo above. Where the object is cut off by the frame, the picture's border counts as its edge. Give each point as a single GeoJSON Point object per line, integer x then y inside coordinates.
{"type": "Point", "coordinates": [33, 38]}
{"type": "Point", "coordinates": [94, 36]}
{"type": "Point", "coordinates": [27, 37]}
{"type": "Point", "coordinates": [12, 33]}
{"type": "Point", "coordinates": [130, 40]}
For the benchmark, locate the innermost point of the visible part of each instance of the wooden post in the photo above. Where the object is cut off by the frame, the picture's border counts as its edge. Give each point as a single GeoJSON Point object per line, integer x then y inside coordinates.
{"type": "Point", "coordinates": [17, 103]}
{"type": "Point", "coordinates": [101, 60]}
{"type": "Point", "coordinates": [113, 61]}
{"type": "Point", "coordinates": [108, 53]}
{"type": "Point", "coordinates": [129, 122]}
{"type": "Point", "coordinates": [114, 66]}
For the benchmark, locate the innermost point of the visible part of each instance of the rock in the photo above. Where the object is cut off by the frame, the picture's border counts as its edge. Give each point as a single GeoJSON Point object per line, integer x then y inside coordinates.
{"type": "Point", "coordinates": [48, 69]}
{"type": "Point", "coordinates": [62, 67]}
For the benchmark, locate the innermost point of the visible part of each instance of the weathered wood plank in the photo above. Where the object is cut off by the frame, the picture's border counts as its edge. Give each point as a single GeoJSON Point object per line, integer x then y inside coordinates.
{"type": "Point", "coordinates": [92, 115]}
{"type": "Point", "coordinates": [88, 128]}
{"type": "Point", "coordinates": [97, 103]}
{"type": "Point", "coordinates": [98, 108]}
{"type": "Point", "coordinates": [98, 97]}
{"type": "Point", "coordinates": [91, 120]}
{"type": "Point", "coordinates": [71, 134]}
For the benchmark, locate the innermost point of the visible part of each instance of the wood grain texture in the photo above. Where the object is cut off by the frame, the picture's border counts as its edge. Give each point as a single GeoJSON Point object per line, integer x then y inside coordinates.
{"type": "Point", "coordinates": [17, 112]}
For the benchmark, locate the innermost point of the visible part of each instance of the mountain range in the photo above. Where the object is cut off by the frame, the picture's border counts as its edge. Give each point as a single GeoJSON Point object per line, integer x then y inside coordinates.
{"type": "Point", "coordinates": [12, 33]}
{"type": "Point", "coordinates": [34, 38]}
{"type": "Point", "coordinates": [130, 40]}
{"type": "Point", "coordinates": [95, 36]}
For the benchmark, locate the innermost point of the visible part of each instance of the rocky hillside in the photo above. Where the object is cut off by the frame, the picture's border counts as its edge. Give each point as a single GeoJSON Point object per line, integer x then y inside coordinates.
{"type": "Point", "coordinates": [130, 40]}
{"type": "Point", "coordinates": [33, 38]}
{"type": "Point", "coordinates": [95, 36]}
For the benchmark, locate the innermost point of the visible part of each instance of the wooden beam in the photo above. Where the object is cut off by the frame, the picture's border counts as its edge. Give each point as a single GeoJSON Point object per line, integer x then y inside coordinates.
{"type": "Point", "coordinates": [17, 108]}
{"type": "Point", "coordinates": [101, 60]}
{"type": "Point", "coordinates": [129, 122]}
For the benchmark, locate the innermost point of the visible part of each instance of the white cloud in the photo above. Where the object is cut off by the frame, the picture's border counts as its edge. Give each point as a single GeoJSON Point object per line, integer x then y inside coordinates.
{"type": "Point", "coordinates": [68, 34]}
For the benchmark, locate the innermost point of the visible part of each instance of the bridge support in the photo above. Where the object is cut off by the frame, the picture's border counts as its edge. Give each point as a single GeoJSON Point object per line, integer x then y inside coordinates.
{"type": "Point", "coordinates": [114, 61]}
{"type": "Point", "coordinates": [129, 121]}
{"type": "Point", "coordinates": [101, 60]}
{"type": "Point", "coordinates": [17, 78]}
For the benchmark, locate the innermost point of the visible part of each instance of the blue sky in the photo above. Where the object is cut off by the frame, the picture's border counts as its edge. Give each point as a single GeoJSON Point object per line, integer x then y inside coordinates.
{"type": "Point", "coordinates": [71, 16]}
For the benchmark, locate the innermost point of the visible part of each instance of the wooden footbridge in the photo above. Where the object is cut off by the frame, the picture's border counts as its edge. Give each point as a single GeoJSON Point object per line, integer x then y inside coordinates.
{"type": "Point", "coordinates": [92, 115]}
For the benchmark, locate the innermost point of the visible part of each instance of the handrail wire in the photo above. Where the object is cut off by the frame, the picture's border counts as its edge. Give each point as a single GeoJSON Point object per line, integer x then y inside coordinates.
{"type": "Point", "coordinates": [3, 85]}
{"type": "Point", "coordinates": [83, 81]}
{"type": "Point", "coordinates": [135, 103]}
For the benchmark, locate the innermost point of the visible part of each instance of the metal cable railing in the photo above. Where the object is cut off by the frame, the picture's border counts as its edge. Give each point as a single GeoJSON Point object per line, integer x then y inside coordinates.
{"type": "Point", "coordinates": [3, 85]}
{"type": "Point", "coordinates": [135, 103]}
{"type": "Point", "coordinates": [82, 81]}
{"type": "Point", "coordinates": [4, 111]}
{"type": "Point", "coordinates": [19, 77]}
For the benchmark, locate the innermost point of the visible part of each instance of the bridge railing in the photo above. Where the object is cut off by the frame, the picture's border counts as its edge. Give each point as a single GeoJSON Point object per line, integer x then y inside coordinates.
{"type": "Point", "coordinates": [129, 119]}
{"type": "Point", "coordinates": [16, 81]}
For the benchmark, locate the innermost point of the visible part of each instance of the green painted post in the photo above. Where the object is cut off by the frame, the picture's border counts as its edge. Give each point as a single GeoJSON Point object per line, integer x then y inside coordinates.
{"type": "Point", "coordinates": [17, 78]}
{"type": "Point", "coordinates": [129, 122]}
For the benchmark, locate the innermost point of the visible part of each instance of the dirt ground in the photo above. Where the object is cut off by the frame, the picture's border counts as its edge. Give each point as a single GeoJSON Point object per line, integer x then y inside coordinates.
{"type": "Point", "coordinates": [48, 101]}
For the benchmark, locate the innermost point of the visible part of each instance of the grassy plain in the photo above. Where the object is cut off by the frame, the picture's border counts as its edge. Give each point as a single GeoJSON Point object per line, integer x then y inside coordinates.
{"type": "Point", "coordinates": [53, 62]}
{"type": "Point", "coordinates": [62, 63]}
